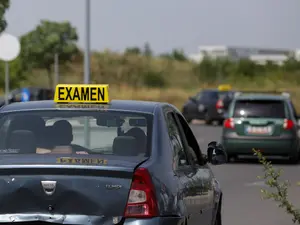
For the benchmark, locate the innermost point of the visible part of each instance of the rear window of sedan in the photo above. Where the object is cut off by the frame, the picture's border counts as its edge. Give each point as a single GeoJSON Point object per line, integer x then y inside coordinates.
{"type": "Point", "coordinates": [46, 133]}
{"type": "Point", "coordinates": [259, 109]}
{"type": "Point", "coordinates": [211, 94]}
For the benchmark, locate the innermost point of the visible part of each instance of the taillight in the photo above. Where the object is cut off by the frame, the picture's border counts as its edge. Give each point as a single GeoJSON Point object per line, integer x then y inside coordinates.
{"type": "Point", "coordinates": [229, 123]}
{"type": "Point", "coordinates": [288, 124]}
{"type": "Point", "coordinates": [219, 104]}
{"type": "Point", "coordinates": [142, 200]}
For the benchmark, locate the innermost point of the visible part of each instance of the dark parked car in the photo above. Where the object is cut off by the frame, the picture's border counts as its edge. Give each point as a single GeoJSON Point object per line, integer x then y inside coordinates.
{"type": "Point", "coordinates": [34, 94]}
{"type": "Point", "coordinates": [208, 105]}
{"type": "Point", "coordinates": [153, 172]}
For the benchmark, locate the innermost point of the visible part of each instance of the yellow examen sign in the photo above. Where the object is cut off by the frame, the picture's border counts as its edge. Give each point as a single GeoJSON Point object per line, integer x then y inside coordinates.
{"type": "Point", "coordinates": [81, 93]}
{"type": "Point", "coordinates": [224, 87]}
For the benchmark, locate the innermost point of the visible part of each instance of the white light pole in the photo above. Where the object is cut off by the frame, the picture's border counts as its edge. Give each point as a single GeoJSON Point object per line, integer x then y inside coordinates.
{"type": "Point", "coordinates": [87, 65]}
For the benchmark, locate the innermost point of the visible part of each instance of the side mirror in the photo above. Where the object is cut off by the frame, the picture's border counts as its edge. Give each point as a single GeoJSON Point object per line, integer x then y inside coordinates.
{"type": "Point", "coordinates": [216, 154]}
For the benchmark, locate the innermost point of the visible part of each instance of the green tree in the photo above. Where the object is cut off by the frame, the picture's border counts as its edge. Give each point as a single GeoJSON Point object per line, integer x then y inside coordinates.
{"type": "Point", "coordinates": [291, 65]}
{"type": "Point", "coordinates": [16, 76]}
{"type": "Point", "coordinates": [147, 50]}
{"type": "Point", "coordinates": [206, 70]}
{"type": "Point", "coordinates": [4, 5]}
{"type": "Point", "coordinates": [176, 54]}
{"type": "Point", "coordinates": [47, 39]}
{"type": "Point", "coordinates": [133, 50]}
{"type": "Point", "coordinates": [246, 68]}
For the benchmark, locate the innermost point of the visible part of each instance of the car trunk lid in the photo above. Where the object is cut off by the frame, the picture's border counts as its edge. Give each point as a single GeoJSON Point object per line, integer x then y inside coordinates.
{"type": "Point", "coordinates": [66, 189]}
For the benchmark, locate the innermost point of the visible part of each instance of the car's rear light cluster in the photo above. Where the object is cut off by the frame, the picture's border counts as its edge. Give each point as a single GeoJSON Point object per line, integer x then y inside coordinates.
{"type": "Point", "coordinates": [288, 124]}
{"type": "Point", "coordinates": [229, 123]}
{"type": "Point", "coordinates": [142, 200]}
{"type": "Point", "coordinates": [219, 104]}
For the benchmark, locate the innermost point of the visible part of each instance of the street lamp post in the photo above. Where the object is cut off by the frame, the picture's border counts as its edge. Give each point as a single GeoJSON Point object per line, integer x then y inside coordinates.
{"type": "Point", "coordinates": [87, 66]}
{"type": "Point", "coordinates": [56, 69]}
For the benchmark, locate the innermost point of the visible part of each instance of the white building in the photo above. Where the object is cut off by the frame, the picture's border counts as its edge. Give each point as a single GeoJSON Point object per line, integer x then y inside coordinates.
{"type": "Point", "coordinates": [259, 55]}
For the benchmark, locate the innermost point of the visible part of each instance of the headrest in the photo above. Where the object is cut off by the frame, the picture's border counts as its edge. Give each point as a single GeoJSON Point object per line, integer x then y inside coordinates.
{"type": "Point", "coordinates": [62, 124]}
{"type": "Point", "coordinates": [63, 132]}
{"type": "Point", "coordinates": [22, 140]}
{"type": "Point", "coordinates": [125, 146]}
{"type": "Point", "coordinates": [27, 122]}
{"type": "Point", "coordinates": [136, 132]}
{"type": "Point", "coordinates": [140, 136]}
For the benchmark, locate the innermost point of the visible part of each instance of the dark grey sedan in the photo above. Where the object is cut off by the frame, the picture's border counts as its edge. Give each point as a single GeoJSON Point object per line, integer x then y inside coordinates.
{"type": "Point", "coordinates": [130, 162]}
{"type": "Point", "coordinates": [208, 105]}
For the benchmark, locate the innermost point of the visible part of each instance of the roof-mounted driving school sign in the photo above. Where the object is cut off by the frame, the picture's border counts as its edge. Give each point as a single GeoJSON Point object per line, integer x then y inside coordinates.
{"type": "Point", "coordinates": [82, 93]}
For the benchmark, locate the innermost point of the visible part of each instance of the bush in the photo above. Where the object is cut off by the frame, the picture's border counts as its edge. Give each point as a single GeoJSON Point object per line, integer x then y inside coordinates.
{"type": "Point", "coordinates": [154, 79]}
{"type": "Point", "coordinates": [279, 189]}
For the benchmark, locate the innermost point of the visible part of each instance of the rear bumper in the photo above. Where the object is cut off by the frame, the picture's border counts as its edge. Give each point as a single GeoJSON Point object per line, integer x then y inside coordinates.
{"type": "Point", "coordinates": [281, 146]}
{"type": "Point", "coordinates": [155, 221]}
{"type": "Point", "coordinates": [84, 219]}
{"type": "Point", "coordinates": [217, 114]}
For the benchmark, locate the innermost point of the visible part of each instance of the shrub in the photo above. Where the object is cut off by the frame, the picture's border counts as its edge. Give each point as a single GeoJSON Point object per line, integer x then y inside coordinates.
{"type": "Point", "coordinates": [278, 188]}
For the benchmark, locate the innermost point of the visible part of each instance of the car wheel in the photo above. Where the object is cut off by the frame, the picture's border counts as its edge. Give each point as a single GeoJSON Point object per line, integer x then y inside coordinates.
{"type": "Point", "coordinates": [220, 122]}
{"type": "Point", "coordinates": [218, 220]}
{"type": "Point", "coordinates": [294, 159]}
{"type": "Point", "coordinates": [207, 119]}
{"type": "Point", "coordinates": [231, 158]}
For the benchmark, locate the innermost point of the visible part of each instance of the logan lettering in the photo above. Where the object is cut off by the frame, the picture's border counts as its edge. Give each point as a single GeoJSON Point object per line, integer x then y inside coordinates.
{"type": "Point", "coordinates": [78, 161]}
{"type": "Point", "coordinates": [63, 160]}
{"type": "Point", "coordinates": [86, 161]}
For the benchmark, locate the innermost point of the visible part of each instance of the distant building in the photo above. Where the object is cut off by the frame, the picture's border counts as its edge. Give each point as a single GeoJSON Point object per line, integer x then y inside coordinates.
{"type": "Point", "coordinates": [259, 55]}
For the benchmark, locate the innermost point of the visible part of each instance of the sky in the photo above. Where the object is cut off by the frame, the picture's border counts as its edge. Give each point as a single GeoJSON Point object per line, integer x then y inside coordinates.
{"type": "Point", "coordinates": [168, 24]}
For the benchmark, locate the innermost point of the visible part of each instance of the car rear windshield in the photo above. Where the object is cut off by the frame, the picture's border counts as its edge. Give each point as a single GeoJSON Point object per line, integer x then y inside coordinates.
{"type": "Point", "coordinates": [209, 94]}
{"type": "Point", "coordinates": [259, 109]}
{"type": "Point", "coordinates": [54, 133]}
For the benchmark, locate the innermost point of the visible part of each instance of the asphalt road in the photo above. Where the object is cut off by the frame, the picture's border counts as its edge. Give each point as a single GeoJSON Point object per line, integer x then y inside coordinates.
{"type": "Point", "coordinates": [242, 203]}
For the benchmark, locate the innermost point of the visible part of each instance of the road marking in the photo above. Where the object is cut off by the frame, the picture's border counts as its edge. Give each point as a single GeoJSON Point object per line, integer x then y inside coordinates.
{"type": "Point", "coordinates": [198, 122]}
{"type": "Point", "coordinates": [257, 183]}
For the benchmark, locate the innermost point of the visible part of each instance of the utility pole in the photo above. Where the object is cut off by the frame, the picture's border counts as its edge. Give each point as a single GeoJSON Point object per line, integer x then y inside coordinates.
{"type": "Point", "coordinates": [7, 83]}
{"type": "Point", "coordinates": [87, 65]}
{"type": "Point", "coordinates": [56, 69]}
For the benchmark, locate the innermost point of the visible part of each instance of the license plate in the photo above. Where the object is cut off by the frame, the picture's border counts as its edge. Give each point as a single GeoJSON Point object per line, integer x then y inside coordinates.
{"type": "Point", "coordinates": [259, 130]}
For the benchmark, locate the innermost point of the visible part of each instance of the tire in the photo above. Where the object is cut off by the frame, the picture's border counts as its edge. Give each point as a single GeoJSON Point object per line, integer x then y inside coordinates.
{"type": "Point", "coordinates": [231, 156]}
{"type": "Point", "coordinates": [294, 159]}
{"type": "Point", "coordinates": [220, 122]}
{"type": "Point", "coordinates": [218, 220]}
{"type": "Point", "coordinates": [207, 119]}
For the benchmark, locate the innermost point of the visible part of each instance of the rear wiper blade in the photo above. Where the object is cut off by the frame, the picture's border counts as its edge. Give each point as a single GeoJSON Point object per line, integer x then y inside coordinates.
{"type": "Point", "coordinates": [252, 116]}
